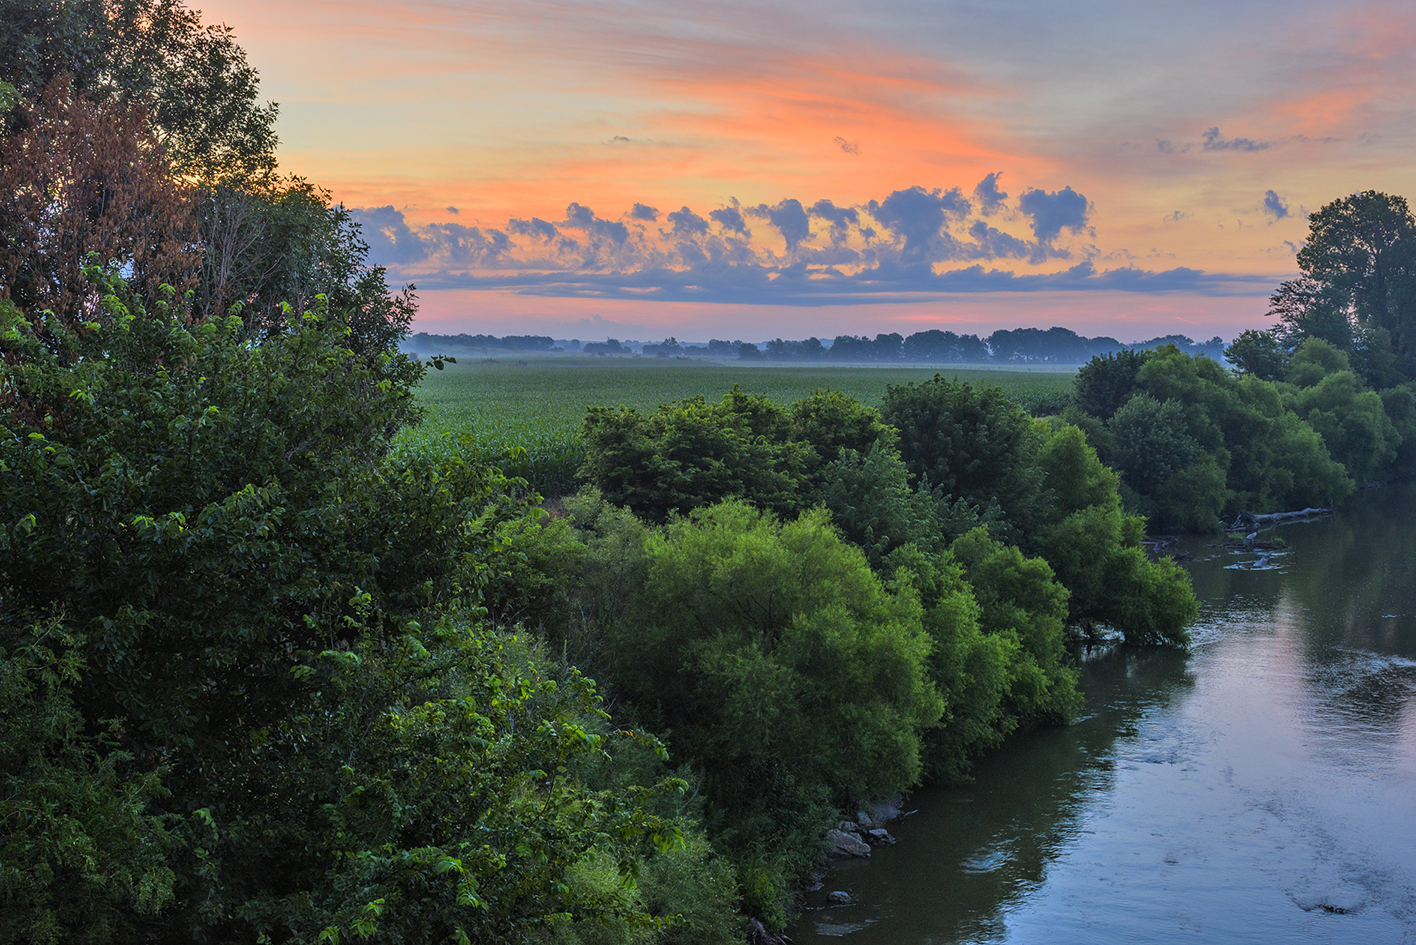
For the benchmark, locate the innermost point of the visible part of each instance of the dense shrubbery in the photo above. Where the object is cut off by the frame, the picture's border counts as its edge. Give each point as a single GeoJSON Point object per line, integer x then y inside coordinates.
{"type": "Point", "coordinates": [242, 694]}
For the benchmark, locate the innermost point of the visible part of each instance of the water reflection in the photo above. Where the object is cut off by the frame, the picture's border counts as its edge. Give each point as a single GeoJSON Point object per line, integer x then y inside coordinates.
{"type": "Point", "coordinates": [1260, 788]}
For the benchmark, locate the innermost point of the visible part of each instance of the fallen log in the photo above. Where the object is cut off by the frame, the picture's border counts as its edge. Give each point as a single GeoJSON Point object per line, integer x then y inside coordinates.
{"type": "Point", "coordinates": [1250, 520]}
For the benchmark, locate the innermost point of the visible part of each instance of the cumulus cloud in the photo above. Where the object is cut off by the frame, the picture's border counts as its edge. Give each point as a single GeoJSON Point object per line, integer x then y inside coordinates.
{"type": "Point", "coordinates": [1274, 206]}
{"type": "Point", "coordinates": [789, 217]}
{"type": "Point", "coordinates": [582, 218]}
{"type": "Point", "coordinates": [536, 228]}
{"type": "Point", "coordinates": [452, 210]}
{"type": "Point", "coordinates": [390, 238]}
{"type": "Point", "coordinates": [1054, 212]}
{"type": "Point", "coordinates": [912, 241]}
{"type": "Point", "coordinates": [990, 198]}
{"type": "Point", "coordinates": [687, 223]}
{"type": "Point", "coordinates": [730, 218]}
{"type": "Point", "coordinates": [1214, 141]}
{"type": "Point", "coordinates": [918, 215]}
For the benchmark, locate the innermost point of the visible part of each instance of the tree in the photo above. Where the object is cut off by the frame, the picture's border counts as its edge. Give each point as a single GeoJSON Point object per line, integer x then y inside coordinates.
{"type": "Point", "coordinates": [80, 179]}
{"type": "Point", "coordinates": [192, 78]}
{"type": "Point", "coordinates": [267, 707]}
{"type": "Point", "coordinates": [1360, 268]}
{"type": "Point", "coordinates": [971, 443]}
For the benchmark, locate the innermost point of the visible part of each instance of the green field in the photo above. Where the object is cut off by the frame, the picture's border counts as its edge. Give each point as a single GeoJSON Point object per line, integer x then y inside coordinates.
{"type": "Point", "coordinates": [486, 408]}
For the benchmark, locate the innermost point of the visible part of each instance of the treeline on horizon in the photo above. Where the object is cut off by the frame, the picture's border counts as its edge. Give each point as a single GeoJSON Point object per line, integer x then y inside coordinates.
{"type": "Point", "coordinates": [934, 346]}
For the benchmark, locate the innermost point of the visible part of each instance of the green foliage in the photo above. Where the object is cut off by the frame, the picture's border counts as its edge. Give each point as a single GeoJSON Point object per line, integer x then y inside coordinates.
{"type": "Point", "coordinates": [780, 665]}
{"type": "Point", "coordinates": [1352, 422]}
{"type": "Point", "coordinates": [203, 94]}
{"type": "Point", "coordinates": [972, 443]}
{"type": "Point", "coordinates": [524, 416]}
{"type": "Point", "coordinates": [1020, 600]}
{"type": "Point", "coordinates": [1105, 382]}
{"type": "Point", "coordinates": [81, 858]}
{"type": "Point", "coordinates": [1272, 459]}
{"type": "Point", "coordinates": [245, 580]}
{"type": "Point", "coordinates": [1259, 353]}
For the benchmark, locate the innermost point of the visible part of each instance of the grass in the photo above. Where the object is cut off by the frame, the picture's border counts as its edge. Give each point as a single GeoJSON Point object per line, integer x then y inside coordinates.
{"type": "Point", "coordinates": [524, 415]}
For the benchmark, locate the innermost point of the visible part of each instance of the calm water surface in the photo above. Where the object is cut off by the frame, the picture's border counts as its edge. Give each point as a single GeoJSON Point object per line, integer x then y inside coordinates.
{"type": "Point", "coordinates": [1261, 788]}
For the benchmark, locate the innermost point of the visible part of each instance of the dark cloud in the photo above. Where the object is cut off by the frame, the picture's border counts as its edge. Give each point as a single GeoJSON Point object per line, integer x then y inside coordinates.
{"type": "Point", "coordinates": [453, 210]}
{"type": "Point", "coordinates": [618, 138]}
{"type": "Point", "coordinates": [990, 198]}
{"type": "Point", "coordinates": [846, 146]}
{"type": "Point", "coordinates": [688, 223]}
{"type": "Point", "coordinates": [730, 218]}
{"type": "Point", "coordinates": [1166, 146]}
{"type": "Point", "coordinates": [789, 217]}
{"type": "Point", "coordinates": [536, 228]}
{"type": "Point", "coordinates": [584, 219]}
{"type": "Point", "coordinates": [1274, 206]}
{"type": "Point", "coordinates": [993, 243]}
{"type": "Point", "coordinates": [918, 216]}
{"type": "Point", "coordinates": [641, 212]}
{"type": "Point", "coordinates": [1214, 141]}
{"type": "Point", "coordinates": [390, 239]}
{"type": "Point", "coordinates": [455, 244]}
{"type": "Point", "coordinates": [1054, 212]}
{"type": "Point", "coordinates": [888, 282]}
{"type": "Point", "coordinates": [840, 218]}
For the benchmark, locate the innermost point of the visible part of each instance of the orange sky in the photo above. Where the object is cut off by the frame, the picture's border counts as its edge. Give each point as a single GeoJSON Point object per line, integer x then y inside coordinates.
{"type": "Point", "coordinates": [1192, 140]}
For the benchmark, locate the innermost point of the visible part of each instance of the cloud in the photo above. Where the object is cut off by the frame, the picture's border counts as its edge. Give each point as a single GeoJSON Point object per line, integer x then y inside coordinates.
{"type": "Point", "coordinates": [1214, 141]}
{"type": "Point", "coordinates": [730, 218]}
{"type": "Point", "coordinates": [536, 228]}
{"type": "Point", "coordinates": [618, 138]}
{"type": "Point", "coordinates": [1054, 212]}
{"type": "Point", "coordinates": [790, 219]}
{"type": "Point", "coordinates": [453, 210]}
{"type": "Point", "coordinates": [990, 198]}
{"type": "Point", "coordinates": [1175, 217]}
{"type": "Point", "coordinates": [1274, 206]}
{"type": "Point", "coordinates": [688, 223]}
{"type": "Point", "coordinates": [584, 219]}
{"type": "Point", "coordinates": [1166, 146]}
{"type": "Point", "coordinates": [995, 244]}
{"type": "Point", "coordinates": [846, 146]}
{"type": "Point", "coordinates": [641, 212]}
{"type": "Point", "coordinates": [918, 215]}
{"type": "Point", "coordinates": [840, 218]}
{"type": "Point", "coordinates": [390, 238]}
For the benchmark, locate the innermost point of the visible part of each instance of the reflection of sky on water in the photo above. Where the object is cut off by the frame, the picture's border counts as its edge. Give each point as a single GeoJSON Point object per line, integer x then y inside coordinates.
{"type": "Point", "coordinates": [1261, 789]}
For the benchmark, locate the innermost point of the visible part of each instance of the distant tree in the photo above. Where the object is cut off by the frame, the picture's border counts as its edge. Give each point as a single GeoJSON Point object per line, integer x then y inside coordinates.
{"type": "Point", "coordinates": [936, 345]}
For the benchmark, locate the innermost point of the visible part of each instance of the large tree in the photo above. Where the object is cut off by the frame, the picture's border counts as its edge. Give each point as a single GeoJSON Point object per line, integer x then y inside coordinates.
{"type": "Point", "coordinates": [1358, 288]}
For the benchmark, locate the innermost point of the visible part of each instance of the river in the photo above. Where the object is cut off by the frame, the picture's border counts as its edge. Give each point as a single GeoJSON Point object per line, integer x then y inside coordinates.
{"type": "Point", "coordinates": [1259, 788]}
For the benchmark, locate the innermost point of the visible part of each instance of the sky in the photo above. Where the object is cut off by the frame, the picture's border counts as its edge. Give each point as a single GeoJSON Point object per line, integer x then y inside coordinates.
{"type": "Point", "coordinates": [652, 168]}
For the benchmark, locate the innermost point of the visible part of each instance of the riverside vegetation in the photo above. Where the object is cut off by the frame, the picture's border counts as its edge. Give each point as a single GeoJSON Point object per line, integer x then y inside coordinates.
{"type": "Point", "coordinates": [266, 677]}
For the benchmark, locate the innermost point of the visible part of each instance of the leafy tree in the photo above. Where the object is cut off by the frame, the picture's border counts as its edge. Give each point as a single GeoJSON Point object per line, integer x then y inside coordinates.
{"type": "Point", "coordinates": [1259, 353]}
{"type": "Point", "coordinates": [249, 591]}
{"type": "Point", "coordinates": [972, 443]}
{"type": "Point", "coordinates": [80, 179]}
{"type": "Point", "coordinates": [201, 93]}
{"type": "Point", "coordinates": [1362, 248]}
{"type": "Point", "coordinates": [1106, 381]}
{"type": "Point", "coordinates": [784, 669]}
{"type": "Point", "coordinates": [1020, 600]}
{"type": "Point", "coordinates": [688, 455]}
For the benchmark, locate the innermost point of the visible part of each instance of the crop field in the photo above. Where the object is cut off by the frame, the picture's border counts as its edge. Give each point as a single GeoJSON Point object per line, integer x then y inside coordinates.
{"type": "Point", "coordinates": [487, 409]}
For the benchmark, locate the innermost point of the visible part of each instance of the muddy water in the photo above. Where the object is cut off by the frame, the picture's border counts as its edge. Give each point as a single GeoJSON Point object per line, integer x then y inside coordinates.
{"type": "Point", "coordinates": [1261, 788]}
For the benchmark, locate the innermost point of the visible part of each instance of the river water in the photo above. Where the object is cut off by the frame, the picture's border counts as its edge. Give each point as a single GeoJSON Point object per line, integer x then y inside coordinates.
{"type": "Point", "coordinates": [1259, 788]}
